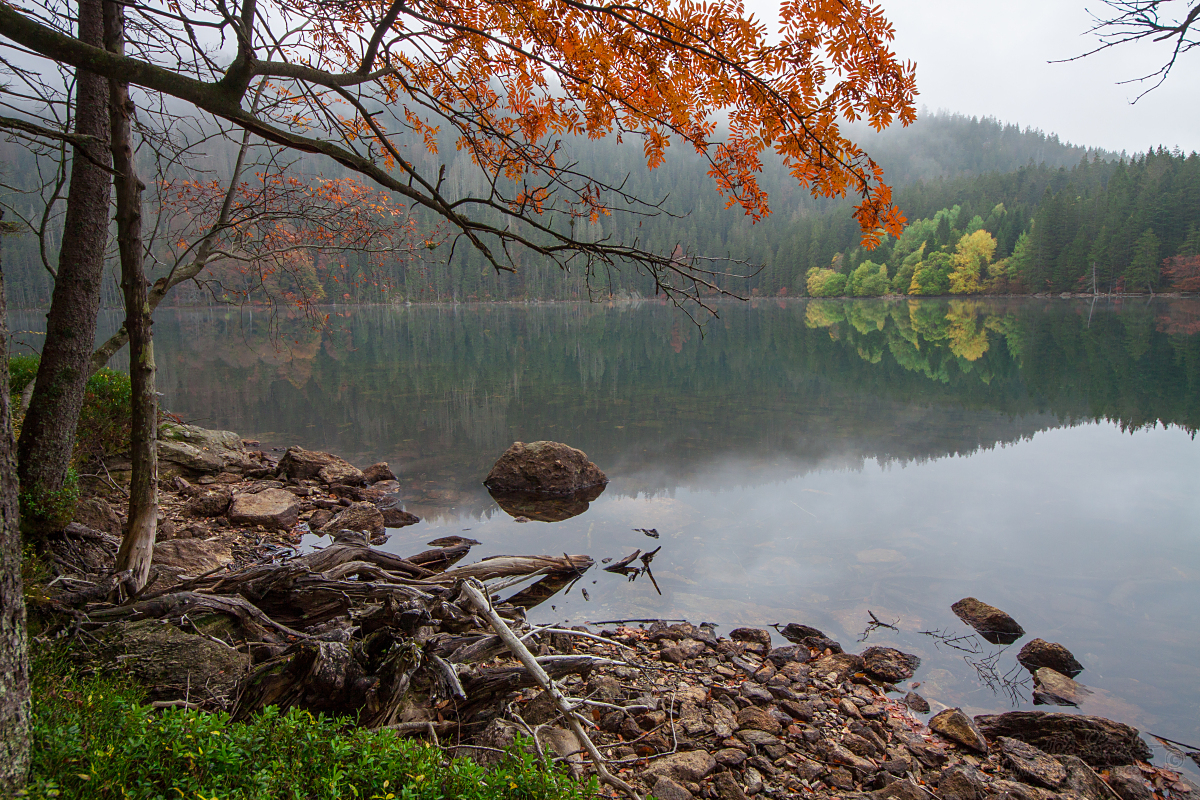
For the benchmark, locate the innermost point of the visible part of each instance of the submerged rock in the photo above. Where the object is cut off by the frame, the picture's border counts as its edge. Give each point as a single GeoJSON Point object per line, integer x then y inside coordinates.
{"type": "Point", "coordinates": [990, 622]}
{"type": "Point", "coordinates": [1098, 741]}
{"type": "Point", "coordinates": [889, 664]}
{"type": "Point", "coordinates": [548, 469]}
{"type": "Point", "coordinates": [1052, 688]}
{"type": "Point", "coordinates": [394, 515]}
{"type": "Point", "coordinates": [1040, 653]}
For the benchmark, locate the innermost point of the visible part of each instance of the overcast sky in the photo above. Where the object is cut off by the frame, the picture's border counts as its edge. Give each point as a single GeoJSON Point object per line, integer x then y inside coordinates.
{"type": "Point", "coordinates": [990, 59]}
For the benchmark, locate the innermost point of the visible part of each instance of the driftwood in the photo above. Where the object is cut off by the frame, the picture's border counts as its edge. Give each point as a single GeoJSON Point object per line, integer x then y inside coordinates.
{"type": "Point", "coordinates": [473, 590]}
{"type": "Point", "coordinates": [354, 630]}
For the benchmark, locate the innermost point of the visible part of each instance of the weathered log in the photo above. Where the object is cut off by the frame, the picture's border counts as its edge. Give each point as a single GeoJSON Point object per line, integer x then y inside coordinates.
{"type": "Point", "coordinates": [181, 604]}
{"type": "Point", "coordinates": [508, 566]}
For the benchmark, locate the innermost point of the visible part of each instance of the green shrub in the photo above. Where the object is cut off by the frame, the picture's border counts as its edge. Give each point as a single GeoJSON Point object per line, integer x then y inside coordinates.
{"type": "Point", "coordinates": [825, 283]}
{"type": "Point", "coordinates": [94, 739]}
{"type": "Point", "coordinates": [104, 419]}
{"type": "Point", "coordinates": [868, 280]}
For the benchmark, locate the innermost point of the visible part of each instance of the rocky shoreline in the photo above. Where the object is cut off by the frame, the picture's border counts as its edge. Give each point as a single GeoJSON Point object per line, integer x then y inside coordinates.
{"type": "Point", "coordinates": [675, 710]}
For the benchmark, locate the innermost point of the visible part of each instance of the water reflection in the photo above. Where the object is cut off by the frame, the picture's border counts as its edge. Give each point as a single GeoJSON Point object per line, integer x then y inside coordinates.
{"type": "Point", "coordinates": [806, 462]}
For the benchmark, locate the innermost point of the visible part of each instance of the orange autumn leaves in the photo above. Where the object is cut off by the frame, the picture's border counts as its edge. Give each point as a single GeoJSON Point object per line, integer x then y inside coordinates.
{"type": "Point", "coordinates": [511, 77]}
{"type": "Point", "coordinates": [288, 236]}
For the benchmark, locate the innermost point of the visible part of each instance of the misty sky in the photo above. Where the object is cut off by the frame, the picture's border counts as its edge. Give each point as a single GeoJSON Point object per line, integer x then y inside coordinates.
{"type": "Point", "coordinates": [990, 59]}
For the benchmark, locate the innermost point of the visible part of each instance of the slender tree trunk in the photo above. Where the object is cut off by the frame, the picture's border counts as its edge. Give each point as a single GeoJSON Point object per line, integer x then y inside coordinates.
{"type": "Point", "coordinates": [138, 545]}
{"type": "Point", "coordinates": [48, 431]}
{"type": "Point", "coordinates": [14, 662]}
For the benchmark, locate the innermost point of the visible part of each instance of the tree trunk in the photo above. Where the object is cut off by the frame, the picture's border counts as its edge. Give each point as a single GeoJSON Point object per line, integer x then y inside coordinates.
{"type": "Point", "coordinates": [48, 431]}
{"type": "Point", "coordinates": [14, 662]}
{"type": "Point", "coordinates": [138, 545]}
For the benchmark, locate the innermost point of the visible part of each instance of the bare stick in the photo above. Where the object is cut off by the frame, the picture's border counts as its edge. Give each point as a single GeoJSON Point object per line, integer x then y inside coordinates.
{"type": "Point", "coordinates": [473, 590]}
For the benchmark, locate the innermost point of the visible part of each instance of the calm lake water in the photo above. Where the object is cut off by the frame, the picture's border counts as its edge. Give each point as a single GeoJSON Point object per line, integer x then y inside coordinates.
{"type": "Point", "coordinates": [801, 461]}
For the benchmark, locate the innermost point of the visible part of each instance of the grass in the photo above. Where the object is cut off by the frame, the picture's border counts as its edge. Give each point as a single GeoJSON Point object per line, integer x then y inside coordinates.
{"type": "Point", "coordinates": [95, 738]}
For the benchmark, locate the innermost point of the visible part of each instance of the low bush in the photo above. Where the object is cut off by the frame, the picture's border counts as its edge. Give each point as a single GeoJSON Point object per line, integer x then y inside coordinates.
{"type": "Point", "coordinates": [105, 417]}
{"type": "Point", "coordinates": [94, 738]}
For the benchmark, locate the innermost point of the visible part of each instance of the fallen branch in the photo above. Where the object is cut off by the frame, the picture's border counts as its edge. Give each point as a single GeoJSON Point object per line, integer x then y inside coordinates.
{"type": "Point", "coordinates": [474, 592]}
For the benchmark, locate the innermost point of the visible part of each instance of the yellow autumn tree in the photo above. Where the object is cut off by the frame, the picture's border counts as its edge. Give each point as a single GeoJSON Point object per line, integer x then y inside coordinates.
{"type": "Point", "coordinates": [971, 258]}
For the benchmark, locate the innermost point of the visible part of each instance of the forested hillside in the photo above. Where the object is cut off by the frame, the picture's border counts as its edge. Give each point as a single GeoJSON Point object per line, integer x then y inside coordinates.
{"type": "Point", "coordinates": [993, 208]}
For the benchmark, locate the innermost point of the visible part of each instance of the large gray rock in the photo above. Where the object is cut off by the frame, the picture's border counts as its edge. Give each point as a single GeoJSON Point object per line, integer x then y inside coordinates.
{"type": "Point", "coordinates": [362, 517]}
{"type": "Point", "coordinates": [301, 465]}
{"type": "Point", "coordinates": [687, 767]}
{"type": "Point", "coordinates": [1040, 653]}
{"type": "Point", "coordinates": [990, 622]}
{"type": "Point", "coordinates": [1052, 688]}
{"type": "Point", "coordinates": [958, 727]}
{"type": "Point", "coordinates": [1098, 741]}
{"type": "Point", "coordinates": [188, 558]}
{"type": "Point", "coordinates": [202, 451]}
{"type": "Point", "coordinates": [544, 468]}
{"type": "Point", "coordinates": [276, 509]}
{"type": "Point", "coordinates": [889, 664]}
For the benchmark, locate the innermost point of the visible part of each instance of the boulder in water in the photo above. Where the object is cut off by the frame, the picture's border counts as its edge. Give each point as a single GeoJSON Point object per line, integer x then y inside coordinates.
{"type": "Point", "coordinates": [548, 469]}
{"type": "Point", "coordinates": [990, 622]}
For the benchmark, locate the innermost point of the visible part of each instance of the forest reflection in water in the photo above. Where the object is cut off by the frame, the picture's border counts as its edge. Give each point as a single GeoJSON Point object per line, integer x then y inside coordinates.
{"type": "Point", "coordinates": [804, 461]}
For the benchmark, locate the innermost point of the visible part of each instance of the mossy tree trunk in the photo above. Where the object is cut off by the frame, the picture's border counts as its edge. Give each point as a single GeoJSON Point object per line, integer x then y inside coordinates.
{"type": "Point", "coordinates": [138, 545]}
{"type": "Point", "coordinates": [48, 431]}
{"type": "Point", "coordinates": [14, 661]}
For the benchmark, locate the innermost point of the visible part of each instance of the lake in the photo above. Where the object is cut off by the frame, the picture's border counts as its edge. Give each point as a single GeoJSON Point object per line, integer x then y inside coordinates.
{"type": "Point", "coordinates": [801, 461]}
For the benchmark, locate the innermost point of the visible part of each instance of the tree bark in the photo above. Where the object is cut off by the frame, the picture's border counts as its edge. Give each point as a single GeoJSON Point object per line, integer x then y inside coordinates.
{"type": "Point", "coordinates": [14, 661]}
{"type": "Point", "coordinates": [48, 431]}
{"type": "Point", "coordinates": [138, 545]}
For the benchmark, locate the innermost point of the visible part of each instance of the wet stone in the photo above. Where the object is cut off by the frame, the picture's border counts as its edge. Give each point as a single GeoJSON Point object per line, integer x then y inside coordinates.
{"type": "Point", "coordinates": [889, 664]}
{"type": "Point", "coordinates": [958, 728]}
{"type": "Point", "coordinates": [916, 703]}
{"type": "Point", "coordinates": [1040, 653]}
{"type": "Point", "coordinates": [990, 622]}
{"type": "Point", "coordinates": [1052, 688]}
{"type": "Point", "coordinates": [1032, 764]}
